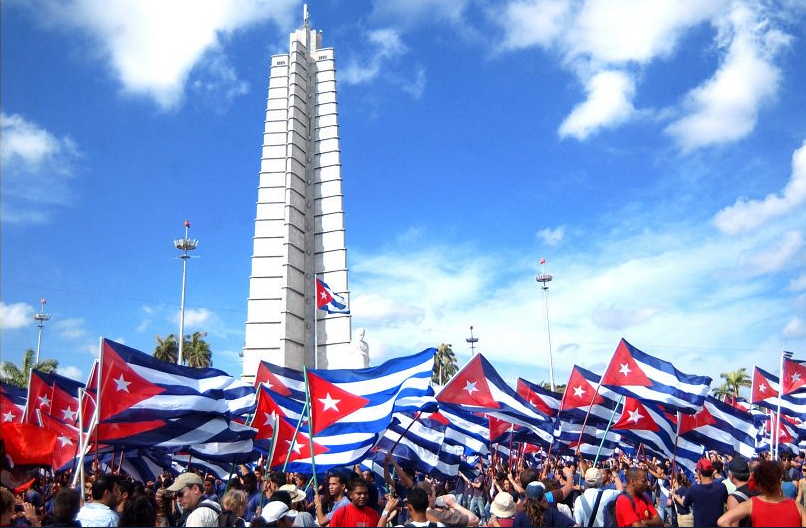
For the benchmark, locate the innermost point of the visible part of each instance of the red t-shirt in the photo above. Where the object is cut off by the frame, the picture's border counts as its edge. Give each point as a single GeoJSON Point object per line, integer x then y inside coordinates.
{"type": "Point", "coordinates": [628, 512]}
{"type": "Point", "coordinates": [352, 515]}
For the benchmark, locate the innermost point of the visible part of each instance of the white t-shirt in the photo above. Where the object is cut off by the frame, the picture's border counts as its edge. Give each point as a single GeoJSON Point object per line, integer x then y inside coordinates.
{"type": "Point", "coordinates": [583, 505]}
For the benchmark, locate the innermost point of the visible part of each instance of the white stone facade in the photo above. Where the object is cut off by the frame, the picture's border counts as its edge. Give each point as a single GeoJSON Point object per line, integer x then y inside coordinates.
{"type": "Point", "coordinates": [299, 226]}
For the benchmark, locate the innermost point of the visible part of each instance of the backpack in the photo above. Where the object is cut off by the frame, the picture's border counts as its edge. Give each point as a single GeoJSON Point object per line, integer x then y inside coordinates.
{"type": "Point", "coordinates": [610, 510]}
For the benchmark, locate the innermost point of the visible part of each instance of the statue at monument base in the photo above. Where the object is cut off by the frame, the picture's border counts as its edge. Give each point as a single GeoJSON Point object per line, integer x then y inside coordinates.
{"type": "Point", "coordinates": [357, 357]}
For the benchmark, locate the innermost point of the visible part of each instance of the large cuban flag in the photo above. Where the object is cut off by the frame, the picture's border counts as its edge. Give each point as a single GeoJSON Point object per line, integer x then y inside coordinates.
{"type": "Point", "coordinates": [721, 427]}
{"type": "Point", "coordinates": [544, 400]}
{"type": "Point", "coordinates": [52, 395]}
{"type": "Point", "coordinates": [636, 374]}
{"type": "Point", "coordinates": [12, 403]}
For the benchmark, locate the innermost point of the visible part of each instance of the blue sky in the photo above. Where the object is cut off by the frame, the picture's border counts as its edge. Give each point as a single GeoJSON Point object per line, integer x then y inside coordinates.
{"type": "Point", "coordinates": [652, 151]}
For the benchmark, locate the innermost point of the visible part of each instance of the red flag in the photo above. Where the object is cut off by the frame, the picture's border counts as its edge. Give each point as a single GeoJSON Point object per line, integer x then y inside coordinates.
{"type": "Point", "coordinates": [624, 370]}
{"type": "Point", "coordinates": [28, 444]}
{"type": "Point", "coordinates": [330, 403]}
{"type": "Point", "coordinates": [794, 375]}
{"type": "Point", "coordinates": [635, 416]}
{"type": "Point", "coordinates": [579, 392]}
{"type": "Point", "coordinates": [469, 387]}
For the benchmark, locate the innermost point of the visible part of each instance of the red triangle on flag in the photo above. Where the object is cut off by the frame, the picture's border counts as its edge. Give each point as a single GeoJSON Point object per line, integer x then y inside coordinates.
{"type": "Point", "coordinates": [533, 398]}
{"type": "Point", "coordinates": [794, 375]}
{"type": "Point", "coordinates": [262, 419]}
{"type": "Point", "coordinates": [300, 447]}
{"type": "Point", "coordinates": [323, 296]}
{"type": "Point", "coordinates": [635, 417]}
{"type": "Point", "coordinates": [689, 422]}
{"type": "Point", "coordinates": [264, 375]}
{"type": "Point", "coordinates": [498, 427]}
{"type": "Point", "coordinates": [121, 386]}
{"type": "Point", "coordinates": [469, 387]}
{"type": "Point", "coordinates": [329, 403]}
{"type": "Point", "coordinates": [439, 418]}
{"type": "Point", "coordinates": [40, 396]}
{"type": "Point", "coordinates": [579, 392]}
{"type": "Point", "coordinates": [762, 388]}
{"type": "Point", "coordinates": [624, 370]}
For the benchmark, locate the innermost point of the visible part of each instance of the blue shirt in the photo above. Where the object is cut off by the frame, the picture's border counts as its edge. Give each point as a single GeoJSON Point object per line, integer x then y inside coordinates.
{"type": "Point", "coordinates": [97, 514]}
{"type": "Point", "coordinates": [707, 501]}
{"type": "Point", "coordinates": [789, 489]}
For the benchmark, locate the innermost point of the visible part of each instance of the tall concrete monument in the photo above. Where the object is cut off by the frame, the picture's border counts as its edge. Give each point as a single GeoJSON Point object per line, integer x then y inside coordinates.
{"type": "Point", "coordinates": [299, 226]}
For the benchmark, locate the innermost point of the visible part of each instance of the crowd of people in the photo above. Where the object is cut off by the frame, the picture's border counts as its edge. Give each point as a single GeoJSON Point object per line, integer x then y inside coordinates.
{"type": "Point", "coordinates": [541, 492]}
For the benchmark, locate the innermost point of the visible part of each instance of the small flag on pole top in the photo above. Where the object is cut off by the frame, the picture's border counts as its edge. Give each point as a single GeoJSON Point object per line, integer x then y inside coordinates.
{"type": "Point", "coordinates": [328, 300]}
{"type": "Point", "coordinates": [543, 260]}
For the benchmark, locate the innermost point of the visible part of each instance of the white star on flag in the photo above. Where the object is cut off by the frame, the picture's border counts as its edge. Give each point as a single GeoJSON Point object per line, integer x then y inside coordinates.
{"type": "Point", "coordinates": [470, 387]}
{"type": "Point", "coordinates": [328, 402]}
{"type": "Point", "coordinates": [68, 414]}
{"type": "Point", "coordinates": [297, 448]}
{"type": "Point", "coordinates": [121, 384]}
{"type": "Point", "coordinates": [795, 377]}
{"type": "Point", "coordinates": [64, 441]}
{"type": "Point", "coordinates": [579, 391]}
{"type": "Point", "coordinates": [268, 418]}
{"type": "Point", "coordinates": [323, 295]}
{"type": "Point", "coordinates": [624, 369]}
{"type": "Point", "coordinates": [8, 417]}
{"type": "Point", "coordinates": [44, 401]}
{"type": "Point", "coordinates": [762, 387]}
{"type": "Point", "coordinates": [635, 416]}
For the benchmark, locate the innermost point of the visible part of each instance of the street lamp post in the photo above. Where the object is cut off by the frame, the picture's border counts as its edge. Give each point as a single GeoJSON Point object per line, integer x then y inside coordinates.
{"type": "Point", "coordinates": [40, 319]}
{"type": "Point", "coordinates": [185, 245]}
{"type": "Point", "coordinates": [544, 279]}
{"type": "Point", "coordinates": [472, 342]}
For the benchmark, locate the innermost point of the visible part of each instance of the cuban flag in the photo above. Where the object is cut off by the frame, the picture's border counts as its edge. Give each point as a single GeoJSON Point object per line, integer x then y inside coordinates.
{"type": "Point", "coordinates": [469, 430]}
{"type": "Point", "coordinates": [66, 441]}
{"type": "Point", "coordinates": [330, 301]}
{"type": "Point", "coordinates": [721, 427]}
{"type": "Point", "coordinates": [583, 392]}
{"type": "Point", "coordinates": [789, 434]}
{"type": "Point", "coordinates": [646, 423]}
{"type": "Point", "coordinates": [544, 400]}
{"type": "Point", "coordinates": [12, 403]}
{"type": "Point", "coordinates": [52, 395]}
{"type": "Point", "coordinates": [638, 375]}
{"type": "Point", "coordinates": [351, 408]}
{"type": "Point", "coordinates": [422, 442]}
{"type": "Point", "coordinates": [794, 375]}
{"type": "Point", "coordinates": [138, 387]}
{"type": "Point", "coordinates": [765, 394]}
{"type": "Point", "coordinates": [571, 438]}
{"type": "Point", "coordinates": [477, 387]}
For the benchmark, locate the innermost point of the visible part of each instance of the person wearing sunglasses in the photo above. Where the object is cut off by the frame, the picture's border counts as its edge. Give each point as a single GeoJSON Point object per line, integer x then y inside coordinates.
{"type": "Point", "coordinates": [196, 509]}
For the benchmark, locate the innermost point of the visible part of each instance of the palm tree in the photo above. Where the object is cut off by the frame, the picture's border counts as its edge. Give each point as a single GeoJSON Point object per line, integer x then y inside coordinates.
{"type": "Point", "coordinates": [167, 349]}
{"type": "Point", "coordinates": [14, 375]}
{"type": "Point", "coordinates": [735, 380]}
{"type": "Point", "coordinates": [445, 365]}
{"type": "Point", "coordinates": [722, 392]}
{"type": "Point", "coordinates": [196, 351]}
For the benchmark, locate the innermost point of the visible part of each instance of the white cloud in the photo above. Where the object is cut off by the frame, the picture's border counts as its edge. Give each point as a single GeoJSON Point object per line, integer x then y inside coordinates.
{"type": "Point", "coordinates": [776, 256]}
{"type": "Point", "coordinates": [532, 22]}
{"type": "Point", "coordinates": [609, 103]}
{"type": "Point", "coordinates": [416, 86]}
{"type": "Point", "coordinates": [796, 327]}
{"type": "Point", "coordinates": [72, 328]}
{"type": "Point", "coordinates": [552, 237]}
{"type": "Point", "coordinates": [71, 371]}
{"type": "Point", "coordinates": [37, 169]}
{"type": "Point", "coordinates": [748, 214]}
{"type": "Point", "coordinates": [798, 284]}
{"type": "Point", "coordinates": [218, 81]}
{"type": "Point", "coordinates": [386, 44]}
{"type": "Point", "coordinates": [195, 317]}
{"type": "Point", "coordinates": [725, 107]}
{"type": "Point", "coordinates": [152, 45]}
{"type": "Point", "coordinates": [15, 315]}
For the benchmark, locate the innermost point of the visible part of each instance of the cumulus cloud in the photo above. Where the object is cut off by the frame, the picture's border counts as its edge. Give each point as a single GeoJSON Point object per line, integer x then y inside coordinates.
{"type": "Point", "coordinates": [15, 315]}
{"type": "Point", "coordinates": [725, 108]}
{"type": "Point", "coordinates": [71, 371]}
{"type": "Point", "coordinates": [195, 317]}
{"type": "Point", "coordinates": [748, 214]}
{"type": "Point", "coordinates": [796, 327]}
{"type": "Point", "coordinates": [552, 237]}
{"type": "Point", "coordinates": [151, 46]}
{"type": "Point", "coordinates": [776, 256]}
{"type": "Point", "coordinates": [608, 104]}
{"type": "Point", "coordinates": [37, 170]}
{"type": "Point", "coordinates": [387, 44]}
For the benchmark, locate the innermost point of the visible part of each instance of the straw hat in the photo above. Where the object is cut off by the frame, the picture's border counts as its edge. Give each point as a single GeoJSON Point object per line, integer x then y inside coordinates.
{"type": "Point", "coordinates": [297, 495]}
{"type": "Point", "coordinates": [503, 505]}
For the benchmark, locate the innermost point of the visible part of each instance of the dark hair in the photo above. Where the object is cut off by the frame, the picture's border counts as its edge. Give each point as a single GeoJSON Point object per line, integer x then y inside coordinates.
{"type": "Point", "coordinates": [767, 476]}
{"type": "Point", "coordinates": [527, 476]}
{"type": "Point", "coordinates": [235, 483]}
{"type": "Point", "coordinates": [534, 511]}
{"type": "Point", "coordinates": [707, 472]}
{"type": "Point", "coordinates": [418, 500]}
{"type": "Point", "coordinates": [102, 484]}
{"type": "Point", "coordinates": [258, 522]}
{"type": "Point", "coordinates": [66, 504]}
{"type": "Point", "coordinates": [125, 486]}
{"type": "Point", "coordinates": [139, 511]}
{"type": "Point", "coordinates": [249, 483]}
{"type": "Point", "coordinates": [282, 496]}
{"type": "Point", "coordinates": [277, 478]}
{"type": "Point", "coordinates": [635, 474]}
{"type": "Point", "coordinates": [719, 467]}
{"type": "Point", "coordinates": [358, 482]}
{"type": "Point", "coordinates": [682, 480]}
{"type": "Point", "coordinates": [336, 475]}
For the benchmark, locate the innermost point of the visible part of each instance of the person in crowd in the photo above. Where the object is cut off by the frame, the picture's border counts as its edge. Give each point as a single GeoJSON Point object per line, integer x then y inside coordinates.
{"type": "Point", "coordinates": [539, 509]}
{"type": "Point", "coordinates": [210, 491]}
{"type": "Point", "coordinates": [445, 509]}
{"type": "Point", "coordinates": [707, 498]}
{"type": "Point", "coordinates": [163, 502]}
{"type": "Point", "coordinates": [633, 507]}
{"type": "Point", "coordinates": [140, 510]}
{"type": "Point", "coordinates": [196, 510]}
{"type": "Point", "coordinates": [769, 507]}
{"type": "Point", "coordinates": [233, 507]}
{"type": "Point", "coordinates": [594, 499]}
{"type": "Point", "coordinates": [682, 514]}
{"type": "Point", "coordinates": [356, 512]}
{"type": "Point", "coordinates": [102, 510]}
{"type": "Point", "coordinates": [276, 513]}
{"type": "Point", "coordinates": [476, 494]}
{"type": "Point", "coordinates": [66, 505]}
{"type": "Point", "coordinates": [337, 499]}
{"type": "Point", "coordinates": [297, 501]}
{"type": "Point", "coordinates": [7, 507]}
{"type": "Point", "coordinates": [788, 487]}
{"type": "Point", "coordinates": [502, 509]}
{"type": "Point", "coordinates": [272, 483]}
{"type": "Point", "coordinates": [739, 475]}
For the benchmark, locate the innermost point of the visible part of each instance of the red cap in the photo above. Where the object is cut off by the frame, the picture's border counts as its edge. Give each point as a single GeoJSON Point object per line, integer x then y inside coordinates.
{"type": "Point", "coordinates": [705, 465]}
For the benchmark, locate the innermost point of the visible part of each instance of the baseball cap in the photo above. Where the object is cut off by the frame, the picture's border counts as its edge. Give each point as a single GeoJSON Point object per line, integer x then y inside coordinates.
{"type": "Point", "coordinates": [705, 465]}
{"type": "Point", "coordinates": [536, 490]}
{"type": "Point", "coordinates": [593, 477]}
{"type": "Point", "coordinates": [276, 510]}
{"type": "Point", "coordinates": [184, 480]}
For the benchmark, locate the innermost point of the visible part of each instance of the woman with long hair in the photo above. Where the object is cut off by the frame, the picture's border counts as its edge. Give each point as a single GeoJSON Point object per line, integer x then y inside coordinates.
{"type": "Point", "coordinates": [770, 508]}
{"type": "Point", "coordinates": [539, 511]}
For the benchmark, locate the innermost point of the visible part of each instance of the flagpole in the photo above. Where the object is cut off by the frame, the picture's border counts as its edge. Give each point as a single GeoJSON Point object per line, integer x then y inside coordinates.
{"type": "Point", "coordinates": [28, 399]}
{"type": "Point", "coordinates": [315, 314]}
{"type": "Point", "coordinates": [587, 414]}
{"type": "Point", "coordinates": [399, 438]}
{"type": "Point", "coordinates": [267, 465]}
{"type": "Point", "coordinates": [607, 430]}
{"type": "Point", "coordinates": [79, 453]}
{"type": "Point", "coordinates": [296, 429]}
{"type": "Point", "coordinates": [98, 396]}
{"type": "Point", "coordinates": [778, 412]}
{"type": "Point", "coordinates": [310, 427]}
{"type": "Point", "coordinates": [674, 453]}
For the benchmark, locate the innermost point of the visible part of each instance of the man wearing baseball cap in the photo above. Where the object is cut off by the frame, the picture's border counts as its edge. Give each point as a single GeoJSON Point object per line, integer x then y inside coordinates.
{"type": "Point", "coordinates": [707, 498]}
{"type": "Point", "coordinates": [196, 511]}
{"type": "Point", "coordinates": [277, 513]}
{"type": "Point", "coordinates": [593, 500]}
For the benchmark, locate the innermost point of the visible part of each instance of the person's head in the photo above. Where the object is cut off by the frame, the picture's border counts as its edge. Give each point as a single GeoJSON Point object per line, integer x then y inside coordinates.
{"type": "Point", "coordinates": [189, 488]}
{"type": "Point", "coordinates": [139, 511]}
{"type": "Point", "coordinates": [282, 496]}
{"type": "Point", "coordinates": [739, 471]}
{"type": "Point", "coordinates": [249, 483]}
{"type": "Point", "coordinates": [528, 475]}
{"type": "Point", "coordinates": [359, 492]}
{"type": "Point", "coordinates": [296, 495]}
{"type": "Point", "coordinates": [6, 507]}
{"type": "Point", "coordinates": [209, 485]}
{"type": "Point", "coordinates": [503, 506]}
{"type": "Point", "coordinates": [682, 480]}
{"type": "Point", "coordinates": [277, 513]}
{"type": "Point", "coordinates": [125, 490]}
{"type": "Point", "coordinates": [105, 490]}
{"type": "Point", "coordinates": [767, 475]}
{"type": "Point", "coordinates": [636, 481]}
{"type": "Point", "coordinates": [428, 488]}
{"type": "Point", "coordinates": [66, 504]}
{"type": "Point", "coordinates": [273, 481]}
{"type": "Point", "coordinates": [594, 478]}
{"type": "Point", "coordinates": [234, 501]}
{"type": "Point", "coordinates": [705, 468]}
{"type": "Point", "coordinates": [417, 503]}
{"type": "Point", "coordinates": [507, 486]}
{"type": "Point", "coordinates": [300, 480]}
{"type": "Point", "coordinates": [335, 486]}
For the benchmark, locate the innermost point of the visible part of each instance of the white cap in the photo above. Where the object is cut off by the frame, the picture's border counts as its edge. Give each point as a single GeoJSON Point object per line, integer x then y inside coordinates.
{"type": "Point", "coordinates": [276, 510]}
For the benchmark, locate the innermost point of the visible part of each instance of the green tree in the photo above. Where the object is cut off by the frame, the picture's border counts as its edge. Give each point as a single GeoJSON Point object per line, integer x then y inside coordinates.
{"type": "Point", "coordinates": [14, 375]}
{"type": "Point", "coordinates": [167, 349]}
{"type": "Point", "coordinates": [445, 365]}
{"type": "Point", "coordinates": [557, 388]}
{"type": "Point", "coordinates": [722, 391]}
{"type": "Point", "coordinates": [735, 380]}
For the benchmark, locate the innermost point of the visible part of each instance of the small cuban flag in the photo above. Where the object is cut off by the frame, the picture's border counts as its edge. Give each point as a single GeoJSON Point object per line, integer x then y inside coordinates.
{"type": "Point", "coordinates": [329, 301]}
